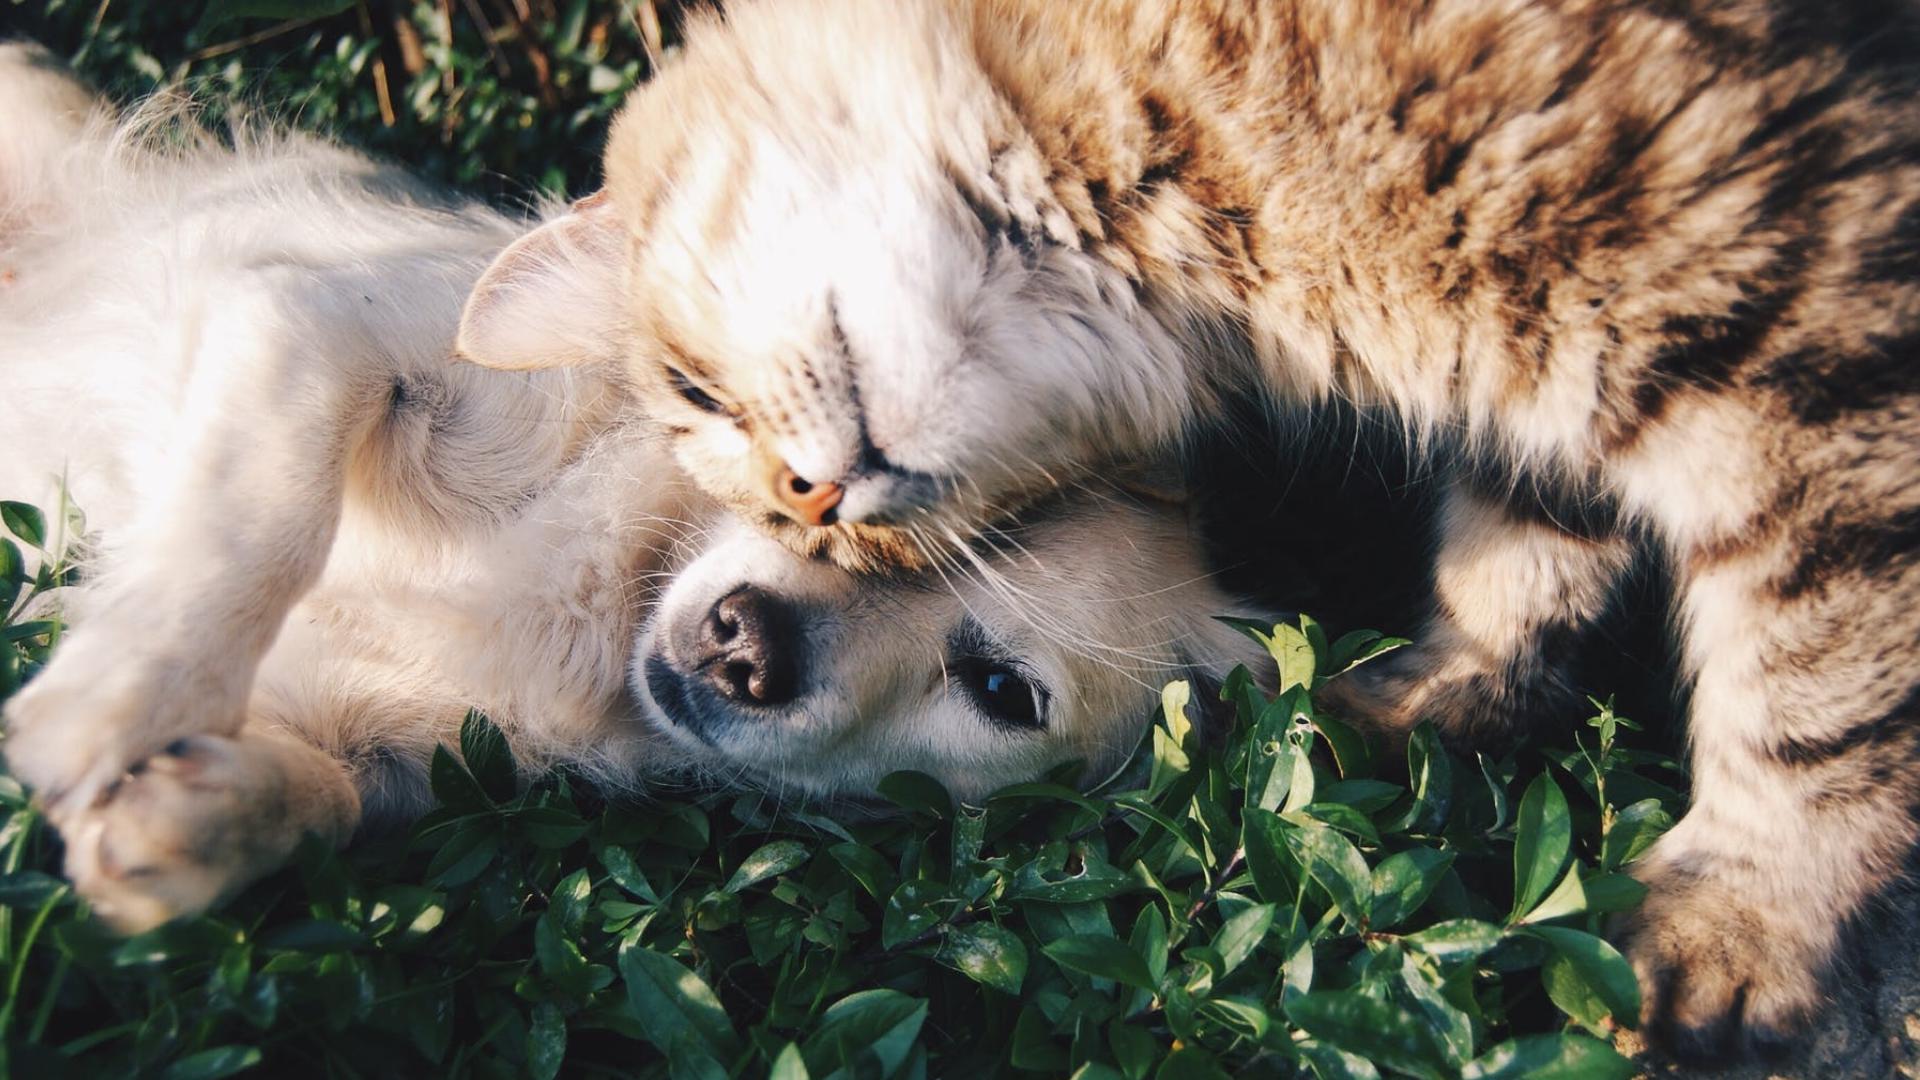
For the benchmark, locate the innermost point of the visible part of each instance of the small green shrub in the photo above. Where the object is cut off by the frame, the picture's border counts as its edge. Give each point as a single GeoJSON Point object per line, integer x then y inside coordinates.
{"type": "Point", "coordinates": [1287, 904]}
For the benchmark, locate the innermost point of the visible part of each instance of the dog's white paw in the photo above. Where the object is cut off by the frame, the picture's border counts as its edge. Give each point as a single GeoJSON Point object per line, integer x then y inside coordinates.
{"type": "Point", "coordinates": [181, 831]}
{"type": "Point", "coordinates": [88, 718]}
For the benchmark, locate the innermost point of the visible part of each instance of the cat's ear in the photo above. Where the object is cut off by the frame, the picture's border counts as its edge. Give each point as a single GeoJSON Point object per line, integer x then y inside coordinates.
{"type": "Point", "coordinates": [556, 297]}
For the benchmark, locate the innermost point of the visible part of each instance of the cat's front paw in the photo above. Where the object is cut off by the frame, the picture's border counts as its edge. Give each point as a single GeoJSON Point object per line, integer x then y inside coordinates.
{"type": "Point", "coordinates": [1724, 975]}
{"type": "Point", "coordinates": [179, 832]}
{"type": "Point", "coordinates": [1467, 695]}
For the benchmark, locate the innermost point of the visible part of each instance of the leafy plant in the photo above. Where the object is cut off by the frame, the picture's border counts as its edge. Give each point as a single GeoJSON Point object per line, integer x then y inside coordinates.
{"type": "Point", "coordinates": [509, 97]}
{"type": "Point", "coordinates": [1297, 902]}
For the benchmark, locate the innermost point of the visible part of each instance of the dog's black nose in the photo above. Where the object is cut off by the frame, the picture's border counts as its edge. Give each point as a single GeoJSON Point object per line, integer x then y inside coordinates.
{"type": "Point", "coordinates": [748, 648]}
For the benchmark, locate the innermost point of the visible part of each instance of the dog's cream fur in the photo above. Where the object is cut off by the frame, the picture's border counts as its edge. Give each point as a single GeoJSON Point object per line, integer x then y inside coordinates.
{"type": "Point", "coordinates": [313, 542]}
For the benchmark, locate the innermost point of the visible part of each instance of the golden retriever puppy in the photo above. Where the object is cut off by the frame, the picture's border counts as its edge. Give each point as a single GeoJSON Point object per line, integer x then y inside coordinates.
{"type": "Point", "coordinates": [314, 541]}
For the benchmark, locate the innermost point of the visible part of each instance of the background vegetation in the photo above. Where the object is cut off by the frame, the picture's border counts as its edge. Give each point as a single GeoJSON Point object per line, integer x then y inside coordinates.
{"type": "Point", "coordinates": [1296, 902]}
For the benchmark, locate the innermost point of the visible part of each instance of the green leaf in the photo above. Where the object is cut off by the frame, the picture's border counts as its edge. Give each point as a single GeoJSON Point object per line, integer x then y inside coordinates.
{"type": "Point", "coordinates": [312, 935]}
{"type": "Point", "coordinates": [1276, 874]}
{"type": "Point", "coordinates": [1033, 1049]}
{"type": "Point", "coordinates": [1333, 1063]}
{"type": "Point", "coordinates": [1567, 898]}
{"type": "Point", "coordinates": [550, 827]}
{"type": "Point", "coordinates": [790, 1065]}
{"type": "Point", "coordinates": [180, 940]}
{"type": "Point", "coordinates": [546, 1041]}
{"type": "Point", "coordinates": [1425, 988]}
{"type": "Point", "coordinates": [1350, 750]}
{"type": "Point", "coordinates": [213, 1064]}
{"type": "Point", "coordinates": [1373, 1029]}
{"type": "Point", "coordinates": [1363, 794]}
{"type": "Point", "coordinates": [988, 955]}
{"type": "Point", "coordinates": [1335, 864]}
{"type": "Point", "coordinates": [768, 861]}
{"type": "Point", "coordinates": [1588, 978]}
{"type": "Point", "coordinates": [485, 752]}
{"type": "Point", "coordinates": [13, 574]}
{"type": "Point", "coordinates": [914, 908]}
{"type": "Point", "coordinates": [1292, 650]}
{"type": "Point", "coordinates": [876, 1024]}
{"type": "Point", "coordinates": [1242, 933]}
{"type": "Point", "coordinates": [28, 888]}
{"type": "Point", "coordinates": [916, 791]}
{"type": "Point", "coordinates": [1634, 830]}
{"type": "Point", "coordinates": [1096, 880]}
{"type": "Point", "coordinates": [466, 853]}
{"type": "Point", "coordinates": [1562, 1056]}
{"type": "Point", "coordinates": [627, 874]}
{"type": "Point", "coordinates": [1134, 1048]}
{"type": "Point", "coordinates": [668, 1000]}
{"type": "Point", "coordinates": [1403, 881]}
{"type": "Point", "coordinates": [1173, 710]}
{"type": "Point", "coordinates": [453, 785]}
{"type": "Point", "coordinates": [1608, 893]}
{"type": "Point", "coordinates": [25, 522]}
{"type": "Point", "coordinates": [1270, 756]}
{"type": "Point", "coordinates": [1543, 836]}
{"type": "Point", "coordinates": [866, 867]}
{"type": "Point", "coordinates": [1456, 940]}
{"type": "Point", "coordinates": [1345, 818]}
{"type": "Point", "coordinates": [1360, 646]}
{"type": "Point", "coordinates": [1102, 957]}
{"type": "Point", "coordinates": [1170, 759]}
{"type": "Point", "coordinates": [1348, 646]}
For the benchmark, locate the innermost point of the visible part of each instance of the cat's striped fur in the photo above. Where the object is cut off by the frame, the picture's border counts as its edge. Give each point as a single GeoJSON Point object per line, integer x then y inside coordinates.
{"type": "Point", "coordinates": [1663, 254]}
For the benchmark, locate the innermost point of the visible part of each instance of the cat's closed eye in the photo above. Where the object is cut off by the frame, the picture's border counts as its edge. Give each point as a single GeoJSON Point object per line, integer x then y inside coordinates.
{"type": "Point", "coordinates": [693, 395]}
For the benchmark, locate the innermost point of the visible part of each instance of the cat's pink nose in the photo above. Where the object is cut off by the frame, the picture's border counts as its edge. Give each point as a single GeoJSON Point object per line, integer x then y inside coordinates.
{"type": "Point", "coordinates": [811, 503]}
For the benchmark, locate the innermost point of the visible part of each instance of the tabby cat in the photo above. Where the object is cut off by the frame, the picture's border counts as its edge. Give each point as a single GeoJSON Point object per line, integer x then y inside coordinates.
{"type": "Point", "coordinates": [895, 267]}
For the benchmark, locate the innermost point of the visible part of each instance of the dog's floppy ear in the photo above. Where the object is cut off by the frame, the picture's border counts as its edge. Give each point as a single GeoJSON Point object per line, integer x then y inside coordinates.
{"type": "Point", "coordinates": [555, 297]}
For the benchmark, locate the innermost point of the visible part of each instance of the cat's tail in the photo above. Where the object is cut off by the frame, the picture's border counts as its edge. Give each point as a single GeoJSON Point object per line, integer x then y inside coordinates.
{"type": "Point", "coordinates": [46, 112]}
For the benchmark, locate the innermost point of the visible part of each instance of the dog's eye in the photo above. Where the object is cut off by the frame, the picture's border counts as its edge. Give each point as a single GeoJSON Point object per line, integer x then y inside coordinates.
{"type": "Point", "coordinates": [693, 395]}
{"type": "Point", "coordinates": [1002, 693]}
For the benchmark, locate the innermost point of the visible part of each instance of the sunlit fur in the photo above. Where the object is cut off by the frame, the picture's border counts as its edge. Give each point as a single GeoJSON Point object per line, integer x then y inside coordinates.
{"type": "Point", "coordinates": [953, 253]}
{"type": "Point", "coordinates": [313, 542]}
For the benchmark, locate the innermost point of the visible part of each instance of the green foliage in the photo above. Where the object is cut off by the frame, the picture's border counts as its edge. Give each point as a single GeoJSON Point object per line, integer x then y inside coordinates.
{"type": "Point", "coordinates": [1293, 903]}
{"type": "Point", "coordinates": [500, 96]}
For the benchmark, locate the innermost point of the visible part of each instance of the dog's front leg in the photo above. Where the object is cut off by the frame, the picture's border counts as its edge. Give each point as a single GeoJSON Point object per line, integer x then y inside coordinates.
{"type": "Point", "coordinates": [235, 522]}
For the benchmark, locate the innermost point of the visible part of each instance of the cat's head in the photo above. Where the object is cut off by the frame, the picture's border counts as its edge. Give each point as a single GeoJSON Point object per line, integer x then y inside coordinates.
{"type": "Point", "coordinates": [835, 273]}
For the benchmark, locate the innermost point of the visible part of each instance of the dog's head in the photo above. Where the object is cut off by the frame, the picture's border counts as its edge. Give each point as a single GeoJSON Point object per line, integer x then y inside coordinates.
{"type": "Point", "coordinates": [1049, 647]}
